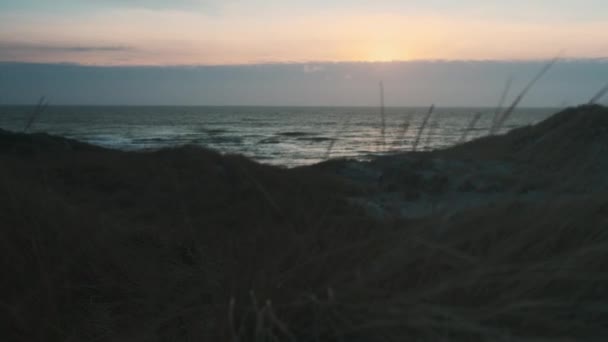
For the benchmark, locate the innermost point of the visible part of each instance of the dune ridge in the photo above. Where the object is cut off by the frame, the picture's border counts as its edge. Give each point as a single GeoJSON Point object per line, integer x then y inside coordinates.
{"type": "Point", "coordinates": [501, 238]}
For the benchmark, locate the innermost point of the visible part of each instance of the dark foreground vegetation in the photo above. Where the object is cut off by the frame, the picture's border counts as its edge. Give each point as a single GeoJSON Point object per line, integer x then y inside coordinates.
{"type": "Point", "coordinates": [503, 238]}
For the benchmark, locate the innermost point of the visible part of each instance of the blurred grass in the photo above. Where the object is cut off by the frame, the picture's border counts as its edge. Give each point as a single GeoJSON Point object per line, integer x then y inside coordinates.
{"type": "Point", "coordinates": [186, 244]}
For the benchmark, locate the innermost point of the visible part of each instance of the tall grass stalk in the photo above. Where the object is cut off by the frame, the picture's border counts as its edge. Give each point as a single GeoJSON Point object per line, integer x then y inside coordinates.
{"type": "Point", "coordinates": [405, 126]}
{"type": "Point", "coordinates": [333, 141]}
{"type": "Point", "coordinates": [600, 94]}
{"type": "Point", "coordinates": [470, 127]}
{"type": "Point", "coordinates": [431, 133]}
{"type": "Point", "coordinates": [501, 102]}
{"type": "Point", "coordinates": [507, 113]}
{"type": "Point", "coordinates": [425, 121]}
{"type": "Point", "coordinates": [39, 109]}
{"type": "Point", "coordinates": [382, 119]}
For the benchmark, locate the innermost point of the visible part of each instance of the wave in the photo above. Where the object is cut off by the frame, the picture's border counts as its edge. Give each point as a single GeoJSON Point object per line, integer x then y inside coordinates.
{"type": "Point", "coordinates": [295, 134]}
{"type": "Point", "coordinates": [316, 139]}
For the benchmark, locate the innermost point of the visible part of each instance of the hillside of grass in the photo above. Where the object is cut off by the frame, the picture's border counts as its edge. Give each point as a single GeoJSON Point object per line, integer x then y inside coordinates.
{"type": "Point", "coordinates": [503, 238]}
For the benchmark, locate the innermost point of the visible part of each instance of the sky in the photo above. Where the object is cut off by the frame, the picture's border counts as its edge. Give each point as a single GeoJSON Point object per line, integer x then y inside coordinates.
{"type": "Point", "coordinates": [178, 32]}
{"type": "Point", "coordinates": [299, 45]}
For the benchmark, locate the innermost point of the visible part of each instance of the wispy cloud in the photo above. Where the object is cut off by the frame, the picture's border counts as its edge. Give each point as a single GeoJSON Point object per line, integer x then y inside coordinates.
{"type": "Point", "coordinates": [206, 6]}
{"type": "Point", "coordinates": [59, 53]}
{"type": "Point", "coordinates": [19, 47]}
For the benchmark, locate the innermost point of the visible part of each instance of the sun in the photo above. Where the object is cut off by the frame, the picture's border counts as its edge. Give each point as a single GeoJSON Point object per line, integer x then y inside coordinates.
{"type": "Point", "coordinates": [385, 53]}
{"type": "Point", "coordinates": [378, 51]}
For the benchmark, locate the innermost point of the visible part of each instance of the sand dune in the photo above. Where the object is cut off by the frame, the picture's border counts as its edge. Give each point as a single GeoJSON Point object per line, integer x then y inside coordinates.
{"type": "Point", "coordinates": [501, 238]}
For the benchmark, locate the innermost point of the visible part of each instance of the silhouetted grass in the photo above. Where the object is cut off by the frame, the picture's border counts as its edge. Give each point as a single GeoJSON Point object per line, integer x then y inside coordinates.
{"type": "Point", "coordinates": [405, 126]}
{"type": "Point", "coordinates": [501, 103]}
{"type": "Point", "coordinates": [382, 119]}
{"type": "Point", "coordinates": [600, 94]}
{"type": "Point", "coordinates": [336, 137]}
{"type": "Point", "coordinates": [503, 117]}
{"type": "Point", "coordinates": [470, 127]}
{"type": "Point", "coordinates": [186, 244]}
{"type": "Point", "coordinates": [425, 121]}
{"type": "Point", "coordinates": [150, 240]}
{"type": "Point", "coordinates": [430, 134]}
{"type": "Point", "coordinates": [40, 107]}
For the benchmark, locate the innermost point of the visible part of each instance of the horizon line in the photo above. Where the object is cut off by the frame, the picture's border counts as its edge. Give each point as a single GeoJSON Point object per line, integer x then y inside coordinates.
{"type": "Point", "coordinates": [328, 62]}
{"type": "Point", "coordinates": [285, 106]}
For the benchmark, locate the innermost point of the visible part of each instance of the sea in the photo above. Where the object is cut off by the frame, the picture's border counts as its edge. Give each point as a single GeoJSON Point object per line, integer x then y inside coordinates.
{"type": "Point", "coordinates": [286, 136]}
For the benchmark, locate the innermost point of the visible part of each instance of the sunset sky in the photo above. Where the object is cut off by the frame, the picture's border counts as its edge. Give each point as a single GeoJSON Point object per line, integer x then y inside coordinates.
{"type": "Point", "coordinates": [226, 32]}
{"type": "Point", "coordinates": [314, 52]}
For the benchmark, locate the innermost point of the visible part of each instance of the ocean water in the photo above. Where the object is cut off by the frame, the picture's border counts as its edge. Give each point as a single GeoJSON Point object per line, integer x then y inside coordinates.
{"type": "Point", "coordinates": [288, 136]}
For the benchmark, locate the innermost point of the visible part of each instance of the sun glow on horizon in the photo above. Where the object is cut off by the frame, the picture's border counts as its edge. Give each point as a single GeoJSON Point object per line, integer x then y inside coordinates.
{"type": "Point", "coordinates": [386, 52]}
{"type": "Point", "coordinates": [133, 37]}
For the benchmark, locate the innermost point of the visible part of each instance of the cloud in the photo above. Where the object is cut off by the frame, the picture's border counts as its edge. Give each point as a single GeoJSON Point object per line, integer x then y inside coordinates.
{"type": "Point", "coordinates": [208, 6]}
{"type": "Point", "coordinates": [63, 52]}
{"type": "Point", "coordinates": [18, 47]}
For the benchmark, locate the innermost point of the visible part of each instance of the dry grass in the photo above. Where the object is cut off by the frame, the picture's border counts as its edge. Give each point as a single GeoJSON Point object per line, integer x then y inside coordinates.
{"type": "Point", "coordinates": [430, 134]}
{"type": "Point", "coordinates": [40, 107]}
{"type": "Point", "coordinates": [600, 94]}
{"type": "Point", "coordinates": [382, 120]}
{"type": "Point", "coordinates": [501, 103]}
{"type": "Point", "coordinates": [189, 245]}
{"type": "Point", "coordinates": [504, 116]}
{"type": "Point", "coordinates": [403, 129]}
{"type": "Point", "coordinates": [422, 127]}
{"type": "Point", "coordinates": [470, 127]}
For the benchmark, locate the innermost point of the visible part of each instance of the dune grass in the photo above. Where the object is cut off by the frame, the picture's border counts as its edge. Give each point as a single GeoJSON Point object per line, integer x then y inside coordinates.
{"type": "Point", "coordinates": [430, 134]}
{"type": "Point", "coordinates": [470, 127]}
{"type": "Point", "coordinates": [600, 94]}
{"type": "Point", "coordinates": [504, 116]}
{"type": "Point", "coordinates": [40, 107]}
{"type": "Point", "coordinates": [403, 129]}
{"type": "Point", "coordinates": [422, 127]}
{"type": "Point", "coordinates": [188, 245]}
{"type": "Point", "coordinates": [501, 103]}
{"type": "Point", "coordinates": [382, 120]}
